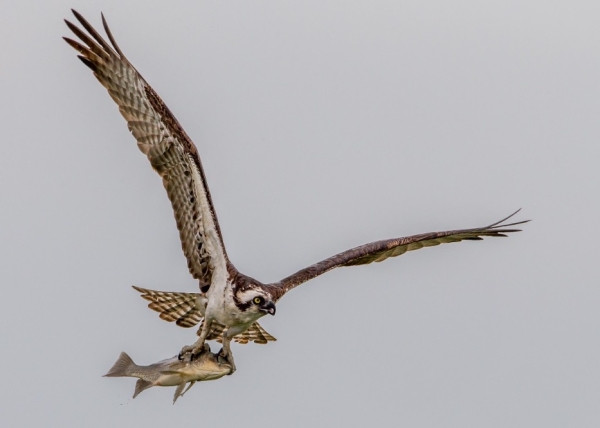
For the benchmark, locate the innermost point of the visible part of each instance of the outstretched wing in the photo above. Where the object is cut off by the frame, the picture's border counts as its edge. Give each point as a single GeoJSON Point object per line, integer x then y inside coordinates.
{"type": "Point", "coordinates": [161, 138]}
{"type": "Point", "coordinates": [187, 310]}
{"type": "Point", "coordinates": [381, 250]}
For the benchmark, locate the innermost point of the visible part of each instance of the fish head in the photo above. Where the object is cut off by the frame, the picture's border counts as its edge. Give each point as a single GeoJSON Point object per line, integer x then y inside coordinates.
{"type": "Point", "coordinates": [206, 366]}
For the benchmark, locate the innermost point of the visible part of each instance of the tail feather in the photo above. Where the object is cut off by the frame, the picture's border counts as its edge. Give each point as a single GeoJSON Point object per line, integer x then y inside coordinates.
{"type": "Point", "coordinates": [140, 386]}
{"type": "Point", "coordinates": [122, 367]}
{"type": "Point", "coordinates": [215, 333]}
{"type": "Point", "coordinates": [256, 334]}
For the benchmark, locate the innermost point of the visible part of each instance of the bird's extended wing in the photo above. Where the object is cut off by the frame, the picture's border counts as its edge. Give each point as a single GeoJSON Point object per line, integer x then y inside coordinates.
{"type": "Point", "coordinates": [187, 310]}
{"type": "Point", "coordinates": [161, 138]}
{"type": "Point", "coordinates": [381, 250]}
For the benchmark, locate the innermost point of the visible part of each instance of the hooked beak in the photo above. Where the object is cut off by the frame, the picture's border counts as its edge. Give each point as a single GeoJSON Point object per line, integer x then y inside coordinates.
{"type": "Point", "coordinates": [269, 308]}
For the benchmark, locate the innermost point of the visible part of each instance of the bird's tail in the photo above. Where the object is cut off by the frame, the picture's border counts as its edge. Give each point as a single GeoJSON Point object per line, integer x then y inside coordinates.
{"type": "Point", "coordinates": [255, 333]}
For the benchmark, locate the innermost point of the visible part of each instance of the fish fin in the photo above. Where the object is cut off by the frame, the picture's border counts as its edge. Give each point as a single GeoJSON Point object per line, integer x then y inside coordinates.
{"type": "Point", "coordinates": [122, 367]}
{"type": "Point", "coordinates": [141, 385]}
{"type": "Point", "coordinates": [178, 391]}
{"type": "Point", "coordinates": [189, 386]}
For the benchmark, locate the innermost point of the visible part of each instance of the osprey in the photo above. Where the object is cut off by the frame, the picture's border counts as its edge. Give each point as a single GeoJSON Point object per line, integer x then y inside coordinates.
{"type": "Point", "coordinates": [229, 303]}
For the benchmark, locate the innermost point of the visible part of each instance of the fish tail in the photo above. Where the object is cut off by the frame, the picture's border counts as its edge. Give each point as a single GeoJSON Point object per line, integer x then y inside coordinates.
{"type": "Point", "coordinates": [141, 385]}
{"type": "Point", "coordinates": [122, 367]}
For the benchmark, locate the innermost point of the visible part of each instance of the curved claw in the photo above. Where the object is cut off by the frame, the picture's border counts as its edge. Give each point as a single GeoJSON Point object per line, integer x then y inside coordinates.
{"type": "Point", "coordinates": [194, 350]}
{"type": "Point", "coordinates": [228, 358]}
{"type": "Point", "coordinates": [185, 350]}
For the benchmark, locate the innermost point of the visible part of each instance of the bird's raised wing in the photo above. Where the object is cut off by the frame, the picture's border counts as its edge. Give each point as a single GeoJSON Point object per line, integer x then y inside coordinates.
{"type": "Point", "coordinates": [161, 138]}
{"type": "Point", "coordinates": [381, 250]}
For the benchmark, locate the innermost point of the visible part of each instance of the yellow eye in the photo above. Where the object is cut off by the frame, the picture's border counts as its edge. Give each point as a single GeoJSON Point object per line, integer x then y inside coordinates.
{"type": "Point", "coordinates": [257, 300]}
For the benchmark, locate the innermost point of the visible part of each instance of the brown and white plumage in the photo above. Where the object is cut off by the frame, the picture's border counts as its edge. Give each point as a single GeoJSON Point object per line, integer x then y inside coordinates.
{"type": "Point", "coordinates": [381, 250]}
{"type": "Point", "coordinates": [161, 138]}
{"type": "Point", "coordinates": [187, 310]}
{"type": "Point", "coordinates": [232, 302]}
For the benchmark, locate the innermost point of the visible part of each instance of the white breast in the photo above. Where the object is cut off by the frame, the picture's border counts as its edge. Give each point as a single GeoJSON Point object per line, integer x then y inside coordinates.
{"type": "Point", "coordinates": [221, 306]}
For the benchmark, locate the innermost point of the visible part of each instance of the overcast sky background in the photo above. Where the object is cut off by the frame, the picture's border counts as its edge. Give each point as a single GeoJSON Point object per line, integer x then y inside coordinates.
{"type": "Point", "coordinates": [322, 125]}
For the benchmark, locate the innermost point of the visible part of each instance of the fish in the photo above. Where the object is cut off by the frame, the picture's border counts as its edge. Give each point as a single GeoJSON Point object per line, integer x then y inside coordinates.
{"type": "Point", "coordinates": [172, 371]}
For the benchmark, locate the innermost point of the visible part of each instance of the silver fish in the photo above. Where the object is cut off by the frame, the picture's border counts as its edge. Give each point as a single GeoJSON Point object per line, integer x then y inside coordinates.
{"type": "Point", "coordinates": [171, 372]}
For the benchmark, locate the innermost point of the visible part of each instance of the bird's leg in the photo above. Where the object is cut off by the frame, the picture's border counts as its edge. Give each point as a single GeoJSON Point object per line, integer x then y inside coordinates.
{"type": "Point", "coordinates": [225, 351]}
{"type": "Point", "coordinates": [198, 346]}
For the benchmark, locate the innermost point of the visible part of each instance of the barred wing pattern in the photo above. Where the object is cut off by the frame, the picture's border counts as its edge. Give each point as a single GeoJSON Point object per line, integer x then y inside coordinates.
{"type": "Point", "coordinates": [381, 250]}
{"type": "Point", "coordinates": [187, 310]}
{"type": "Point", "coordinates": [255, 333]}
{"type": "Point", "coordinates": [161, 138]}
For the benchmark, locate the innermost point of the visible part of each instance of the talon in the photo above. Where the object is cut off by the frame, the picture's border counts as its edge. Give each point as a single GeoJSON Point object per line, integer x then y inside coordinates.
{"type": "Point", "coordinates": [196, 351]}
{"type": "Point", "coordinates": [233, 369]}
{"type": "Point", "coordinates": [185, 350]}
{"type": "Point", "coordinates": [228, 358]}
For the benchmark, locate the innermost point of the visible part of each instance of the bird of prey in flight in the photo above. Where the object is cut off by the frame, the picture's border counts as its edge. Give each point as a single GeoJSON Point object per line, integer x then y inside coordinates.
{"type": "Point", "coordinates": [229, 303]}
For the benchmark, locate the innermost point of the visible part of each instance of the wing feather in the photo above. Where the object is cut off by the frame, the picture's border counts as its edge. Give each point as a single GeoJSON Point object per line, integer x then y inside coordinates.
{"type": "Point", "coordinates": [382, 250]}
{"type": "Point", "coordinates": [187, 310]}
{"type": "Point", "coordinates": [161, 138]}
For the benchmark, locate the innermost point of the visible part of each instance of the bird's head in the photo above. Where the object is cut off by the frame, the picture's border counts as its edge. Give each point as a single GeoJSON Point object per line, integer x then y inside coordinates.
{"type": "Point", "coordinates": [255, 300]}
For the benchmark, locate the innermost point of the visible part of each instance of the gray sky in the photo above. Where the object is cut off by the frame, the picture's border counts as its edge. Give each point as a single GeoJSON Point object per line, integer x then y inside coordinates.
{"type": "Point", "coordinates": [321, 125]}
